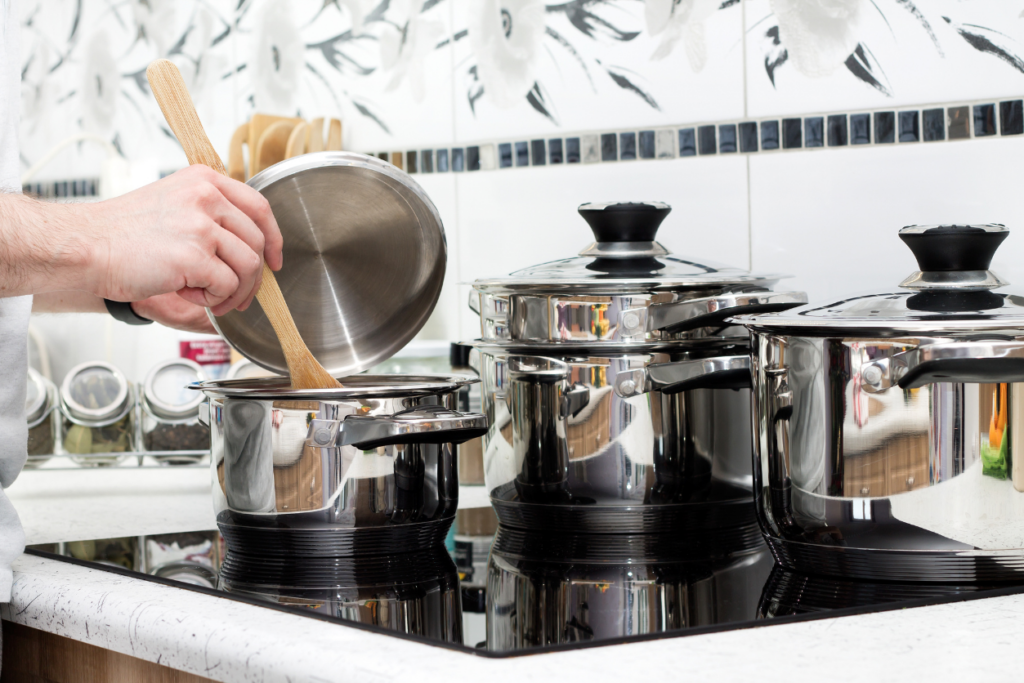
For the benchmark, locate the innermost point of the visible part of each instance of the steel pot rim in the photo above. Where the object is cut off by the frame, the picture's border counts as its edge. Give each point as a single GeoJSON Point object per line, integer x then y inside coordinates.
{"type": "Point", "coordinates": [356, 386]}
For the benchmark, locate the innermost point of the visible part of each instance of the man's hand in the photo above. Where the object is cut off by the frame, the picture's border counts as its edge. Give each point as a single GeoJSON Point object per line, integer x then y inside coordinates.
{"type": "Point", "coordinates": [173, 311]}
{"type": "Point", "coordinates": [196, 233]}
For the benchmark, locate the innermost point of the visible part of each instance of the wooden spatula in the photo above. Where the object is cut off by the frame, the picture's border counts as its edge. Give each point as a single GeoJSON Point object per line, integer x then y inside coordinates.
{"type": "Point", "coordinates": [176, 104]}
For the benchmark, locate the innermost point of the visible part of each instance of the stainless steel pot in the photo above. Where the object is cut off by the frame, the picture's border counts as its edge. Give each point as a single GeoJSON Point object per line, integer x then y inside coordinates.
{"type": "Point", "coordinates": [886, 425]}
{"type": "Point", "coordinates": [368, 468]}
{"type": "Point", "coordinates": [414, 593]}
{"type": "Point", "coordinates": [549, 589]}
{"type": "Point", "coordinates": [598, 422]}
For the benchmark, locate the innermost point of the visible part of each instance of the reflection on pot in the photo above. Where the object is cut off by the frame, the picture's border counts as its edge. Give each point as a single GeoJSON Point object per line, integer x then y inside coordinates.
{"type": "Point", "coordinates": [548, 590]}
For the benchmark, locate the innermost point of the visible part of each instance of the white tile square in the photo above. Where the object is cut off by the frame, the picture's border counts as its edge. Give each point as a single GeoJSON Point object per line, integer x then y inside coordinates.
{"type": "Point", "coordinates": [590, 146]}
{"type": "Point", "coordinates": [665, 144]}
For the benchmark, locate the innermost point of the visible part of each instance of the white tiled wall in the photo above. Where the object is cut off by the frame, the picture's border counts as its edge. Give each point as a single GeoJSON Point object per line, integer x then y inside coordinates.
{"type": "Point", "coordinates": [828, 217]}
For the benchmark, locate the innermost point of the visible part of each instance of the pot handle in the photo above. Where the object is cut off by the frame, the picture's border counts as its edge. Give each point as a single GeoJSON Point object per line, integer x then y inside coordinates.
{"type": "Point", "coordinates": [713, 310]}
{"type": "Point", "coordinates": [424, 424]}
{"type": "Point", "coordinates": [966, 362]}
{"type": "Point", "coordinates": [474, 301]}
{"type": "Point", "coordinates": [720, 372]}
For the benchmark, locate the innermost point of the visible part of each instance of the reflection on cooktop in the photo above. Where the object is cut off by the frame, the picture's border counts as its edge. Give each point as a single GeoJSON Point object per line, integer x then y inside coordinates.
{"type": "Point", "coordinates": [535, 591]}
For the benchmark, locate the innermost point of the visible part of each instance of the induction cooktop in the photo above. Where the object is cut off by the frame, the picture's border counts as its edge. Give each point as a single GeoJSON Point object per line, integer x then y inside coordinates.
{"type": "Point", "coordinates": [533, 593]}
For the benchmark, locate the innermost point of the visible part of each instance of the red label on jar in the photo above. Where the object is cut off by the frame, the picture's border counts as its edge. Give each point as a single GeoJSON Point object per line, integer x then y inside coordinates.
{"type": "Point", "coordinates": [206, 351]}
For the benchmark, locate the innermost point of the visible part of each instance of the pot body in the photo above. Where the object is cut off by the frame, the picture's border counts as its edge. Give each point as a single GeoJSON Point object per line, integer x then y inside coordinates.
{"type": "Point", "coordinates": [577, 444]}
{"type": "Point", "coordinates": [337, 477]}
{"type": "Point", "coordinates": [855, 476]}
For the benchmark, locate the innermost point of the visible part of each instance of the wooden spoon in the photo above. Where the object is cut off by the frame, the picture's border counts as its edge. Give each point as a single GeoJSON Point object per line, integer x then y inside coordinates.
{"type": "Point", "coordinates": [176, 104]}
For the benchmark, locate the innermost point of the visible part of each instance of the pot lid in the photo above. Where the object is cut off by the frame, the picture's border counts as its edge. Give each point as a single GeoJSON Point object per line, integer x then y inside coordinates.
{"type": "Point", "coordinates": [94, 392]}
{"type": "Point", "coordinates": [356, 386]}
{"type": "Point", "coordinates": [38, 396]}
{"type": "Point", "coordinates": [165, 390]}
{"type": "Point", "coordinates": [624, 257]}
{"type": "Point", "coordinates": [364, 260]}
{"type": "Point", "coordinates": [951, 292]}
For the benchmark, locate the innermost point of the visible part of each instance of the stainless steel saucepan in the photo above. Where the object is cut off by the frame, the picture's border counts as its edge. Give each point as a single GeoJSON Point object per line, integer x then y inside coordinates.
{"type": "Point", "coordinates": [365, 469]}
{"type": "Point", "coordinates": [887, 425]}
{"type": "Point", "coordinates": [598, 422]}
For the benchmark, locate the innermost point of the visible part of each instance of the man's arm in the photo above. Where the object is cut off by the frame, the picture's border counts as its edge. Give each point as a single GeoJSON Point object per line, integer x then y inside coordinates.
{"type": "Point", "coordinates": [195, 233]}
{"type": "Point", "coordinates": [167, 309]}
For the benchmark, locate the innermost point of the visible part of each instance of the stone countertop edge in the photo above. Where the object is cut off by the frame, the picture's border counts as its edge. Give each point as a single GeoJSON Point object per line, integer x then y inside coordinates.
{"type": "Point", "coordinates": [231, 641]}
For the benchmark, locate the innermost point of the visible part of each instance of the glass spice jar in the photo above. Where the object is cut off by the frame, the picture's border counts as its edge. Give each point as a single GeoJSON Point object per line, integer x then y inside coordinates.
{"type": "Point", "coordinates": [40, 401]}
{"type": "Point", "coordinates": [170, 412]}
{"type": "Point", "coordinates": [97, 404]}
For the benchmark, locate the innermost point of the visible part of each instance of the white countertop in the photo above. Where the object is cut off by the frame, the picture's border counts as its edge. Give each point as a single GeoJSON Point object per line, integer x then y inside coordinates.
{"type": "Point", "coordinates": [231, 641]}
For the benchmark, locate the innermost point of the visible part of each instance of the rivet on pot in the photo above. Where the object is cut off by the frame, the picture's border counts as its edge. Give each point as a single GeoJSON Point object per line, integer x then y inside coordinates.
{"type": "Point", "coordinates": [630, 320]}
{"type": "Point", "coordinates": [322, 436]}
{"type": "Point", "coordinates": [872, 374]}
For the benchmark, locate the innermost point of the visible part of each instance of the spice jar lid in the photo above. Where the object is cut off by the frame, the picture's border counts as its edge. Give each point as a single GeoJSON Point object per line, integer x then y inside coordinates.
{"type": "Point", "coordinates": [95, 392]}
{"type": "Point", "coordinates": [246, 369]}
{"type": "Point", "coordinates": [165, 391]}
{"type": "Point", "coordinates": [39, 395]}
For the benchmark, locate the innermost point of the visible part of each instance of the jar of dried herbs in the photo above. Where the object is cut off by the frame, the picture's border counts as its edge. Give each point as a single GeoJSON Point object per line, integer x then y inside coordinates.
{"type": "Point", "coordinates": [97, 405]}
{"type": "Point", "coordinates": [170, 413]}
{"type": "Point", "coordinates": [40, 401]}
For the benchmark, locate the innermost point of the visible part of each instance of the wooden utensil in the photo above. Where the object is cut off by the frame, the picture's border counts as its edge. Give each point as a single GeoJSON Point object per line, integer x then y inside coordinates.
{"type": "Point", "coordinates": [176, 105]}
{"type": "Point", "coordinates": [272, 145]}
{"type": "Point", "coordinates": [316, 135]}
{"type": "Point", "coordinates": [334, 135]}
{"type": "Point", "coordinates": [297, 141]}
{"type": "Point", "coordinates": [236, 160]}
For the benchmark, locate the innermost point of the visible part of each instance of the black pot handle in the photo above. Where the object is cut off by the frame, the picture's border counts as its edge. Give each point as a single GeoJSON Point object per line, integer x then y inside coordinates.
{"type": "Point", "coordinates": [964, 362]}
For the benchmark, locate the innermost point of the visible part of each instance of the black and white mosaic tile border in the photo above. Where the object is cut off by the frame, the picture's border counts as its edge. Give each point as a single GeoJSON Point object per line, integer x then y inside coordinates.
{"type": "Point", "coordinates": [60, 189]}
{"type": "Point", "coordinates": [845, 129]}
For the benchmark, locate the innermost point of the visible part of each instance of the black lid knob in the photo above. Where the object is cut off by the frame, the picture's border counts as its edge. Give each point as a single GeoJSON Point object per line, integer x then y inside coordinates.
{"type": "Point", "coordinates": [953, 247]}
{"type": "Point", "coordinates": [625, 221]}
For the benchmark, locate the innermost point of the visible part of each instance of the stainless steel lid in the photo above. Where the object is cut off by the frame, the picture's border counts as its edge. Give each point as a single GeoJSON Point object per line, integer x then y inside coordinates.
{"type": "Point", "coordinates": [364, 260]}
{"type": "Point", "coordinates": [951, 292]}
{"type": "Point", "coordinates": [623, 258]}
{"type": "Point", "coordinates": [39, 397]}
{"type": "Point", "coordinates": [95, 393]}
{"type": "Point", "coordinates": [165, 392]}
{"type": "Point", "coordinates": [356, 386]}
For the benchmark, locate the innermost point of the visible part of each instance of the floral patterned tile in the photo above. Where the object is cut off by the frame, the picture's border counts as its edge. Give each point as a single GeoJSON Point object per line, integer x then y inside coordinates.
{"type": "Point", "coordinates": [868, 54]}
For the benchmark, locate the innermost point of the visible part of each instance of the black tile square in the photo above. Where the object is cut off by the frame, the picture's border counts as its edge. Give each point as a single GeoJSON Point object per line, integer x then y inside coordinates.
{"type": "Point", "coordinates": [885, 126]}
{"type": "Point", "coordinates": [984, 120]}
{"type": "Point", "coordinates": [727, 138]}
{"type": "Point", "coordinates": [769, 135]}
{"type": "Point", "coordinates": [458, 159]}
{"type": "Point", "coordinates": [706, 142]}
{"type": "Point", "coordinates": [555, 151]}
{"type": "Point", "coordinates": [860, 129]}
{"type": "Point", "coordinates": [838, 133]}
{"type": "Point", "coordinates": [646, 144]}
{"type": "Point", "coordinates": [473, 158]}
{"type": "Point", "coordinates": [933, 124]}
{"type": "Point", "coordinates": [959, 122]}
{"type": "Point", "coordinates": [814, 131]}
{"type": "Point", "coordinates": [427, 161]}
{"type": "Point", "coordinates": [538, 153]}
{"type": "Point", "coordinates": [609, 149]}
{"type": "Point", "coordinates": [687, 142]}
{"type": "Point", "coordinates": [1011, 117]}
{"type": "Point", "coordinates": [792, 135]}
{"type": "Point", "coordinates": [384, 156]}
{"type": "Point", "coordinates": [627, 146]}
{"type": "Point", "coordinates": [442, 161]}
{"type": "Point", "coordinates": [909, 127]}
{"type": "Point", "coordinates": [522, 154]}
{"type": "Point", "coordinates": [572, 150]}
{"type": "Point", "coordinates": [505, 155]}
{"type": "Point", "coordinates": [748, 137]}
{"type": "Point", "coordinates": [410, 162]}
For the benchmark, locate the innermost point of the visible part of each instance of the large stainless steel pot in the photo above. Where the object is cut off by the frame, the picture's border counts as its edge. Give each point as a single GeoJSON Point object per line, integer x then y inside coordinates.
{"type": "Point", "coordinates": [886, 426]}
{"type": "Point", "coordinates": [575, 443]}
{"type": "Point", "coordinates": [365, 469]}
{"type": "Point", "coordinates": [550, 589]}
{"type": "Point", "coordinates": [415, 593]}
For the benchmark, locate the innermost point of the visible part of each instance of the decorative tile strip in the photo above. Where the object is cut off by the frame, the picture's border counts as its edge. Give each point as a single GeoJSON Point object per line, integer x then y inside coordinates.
{"type": "Point", "coordinates": [962, 121]}
{"type": "Point", "coordinates": [60, 189]}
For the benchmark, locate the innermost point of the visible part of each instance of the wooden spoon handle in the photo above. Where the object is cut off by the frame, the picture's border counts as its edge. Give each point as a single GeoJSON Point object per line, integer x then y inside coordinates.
{"type": "Point", "coordinates": [176, 104]}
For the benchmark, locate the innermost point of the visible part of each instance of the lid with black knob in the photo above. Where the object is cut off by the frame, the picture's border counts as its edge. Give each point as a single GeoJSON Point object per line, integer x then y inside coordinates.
{"type": "Point", "coordinates": [625, 257]}
{"type": "Point", "coordinates": [952, 292]}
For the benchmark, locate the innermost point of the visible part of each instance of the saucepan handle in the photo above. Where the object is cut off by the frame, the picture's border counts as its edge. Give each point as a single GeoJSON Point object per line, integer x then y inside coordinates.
{"type": "Point", "coordinates": [713, 310]}
{"type": "Point", "coordinates": [965, 362]}
{"type": "Point", "coordinates": [424, 424]}
{"type": "Point", "coordinates": [719, 372]}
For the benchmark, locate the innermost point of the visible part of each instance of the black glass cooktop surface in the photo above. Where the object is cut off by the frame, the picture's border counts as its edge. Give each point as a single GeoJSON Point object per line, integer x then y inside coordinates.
{"type": "Point", "coordinates": [530, 593]}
